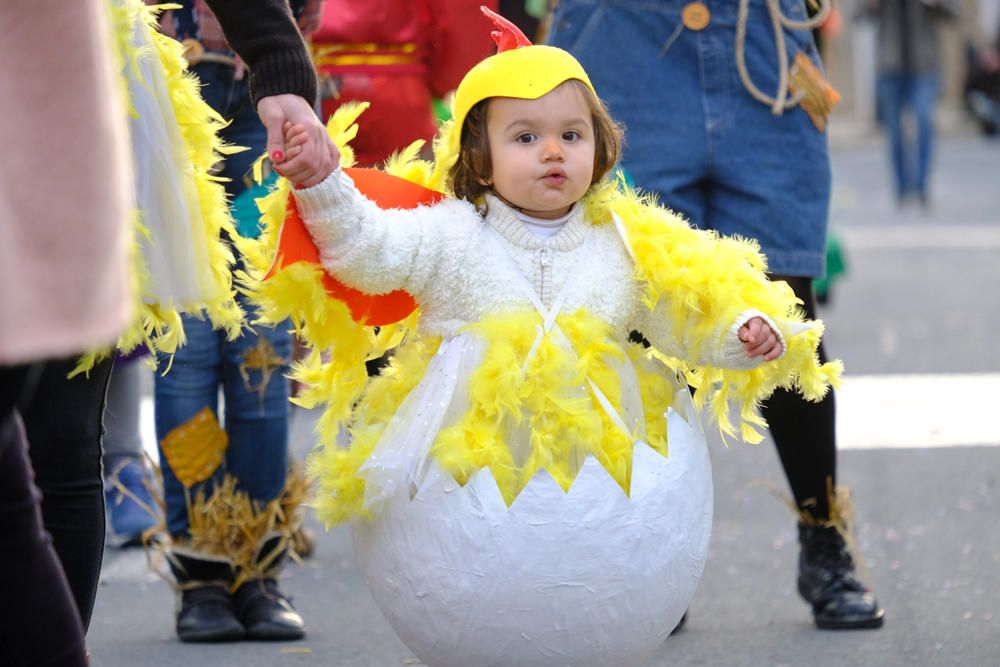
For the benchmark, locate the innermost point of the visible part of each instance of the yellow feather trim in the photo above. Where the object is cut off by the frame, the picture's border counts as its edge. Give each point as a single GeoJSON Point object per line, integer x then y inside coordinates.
{"type": "Point", "coordinates": [158, 326]}
{"type": "Point", "coordinates": [549, 400]}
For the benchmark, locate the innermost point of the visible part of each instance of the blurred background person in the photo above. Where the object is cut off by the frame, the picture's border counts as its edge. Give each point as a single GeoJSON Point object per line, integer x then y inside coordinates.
{"type": "Point", "coordinates": [908, 81]}
{"type": "Point", "coordinates": [528, 15]}
{"type": "Point", "coordinates": [130, 507]}
{"type": "Point", "coordinates": [227, 571]}
{"type": "Point", "coordinates": [400, 55]}
{"type": "Point", "coordinates": [829, 29]}
{"type": "Point", "coordinates": [404, 57]}
{"type": "Point", "coordinates": [982, 83]}
{"type": "Point", "coordinates": [65, 289]}
{"type": "Point", "coordinates": [67, 292]}
{"type": "Point", "coordinates": [824, 36]}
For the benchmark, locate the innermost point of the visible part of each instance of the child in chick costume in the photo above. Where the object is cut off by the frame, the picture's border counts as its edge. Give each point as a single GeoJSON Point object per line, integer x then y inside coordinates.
{"type": "Point", "coordinates": [517, 371]}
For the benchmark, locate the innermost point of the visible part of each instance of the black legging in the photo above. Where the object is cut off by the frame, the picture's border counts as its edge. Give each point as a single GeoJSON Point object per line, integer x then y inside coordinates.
{"type": "Point", "coordinates": [39, 622]}
{"type": "Point", "coordinates": [64, 426]}
{"type": "Point", "coordinates": [804, 432]}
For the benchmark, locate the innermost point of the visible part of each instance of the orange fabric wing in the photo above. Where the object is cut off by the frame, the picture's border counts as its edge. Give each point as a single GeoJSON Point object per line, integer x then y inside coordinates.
{"type": "Point", "coordinates": [295, 245]}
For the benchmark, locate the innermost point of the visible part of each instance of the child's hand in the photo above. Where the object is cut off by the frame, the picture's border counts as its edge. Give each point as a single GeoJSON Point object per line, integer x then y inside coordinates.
{"type": "Point", "coordinates": [303, 165]}
{"type": "Point", "coordinates": [759, 339]}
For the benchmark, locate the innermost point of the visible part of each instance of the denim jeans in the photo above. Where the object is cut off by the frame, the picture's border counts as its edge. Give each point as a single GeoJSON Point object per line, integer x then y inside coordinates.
{"type": "Point", "coordinates": [256, 408]}
{"type": "Point", "coordinates": [231, 98]}
{"type": "Point", "coordinates": [899, 92]}
{"type": "Point", "coordinates": [694, 135]}
{"type": "Point", "coordinates": [255, 421]}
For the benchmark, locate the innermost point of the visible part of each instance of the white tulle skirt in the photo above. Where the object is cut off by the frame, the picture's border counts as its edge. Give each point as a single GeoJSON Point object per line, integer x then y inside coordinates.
{"type": "Point", "coordinates": [175, 248]}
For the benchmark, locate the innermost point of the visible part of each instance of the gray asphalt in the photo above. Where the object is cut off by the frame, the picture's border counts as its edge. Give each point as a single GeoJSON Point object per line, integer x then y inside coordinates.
{"type": "Point", "coordinates": [921, 296]}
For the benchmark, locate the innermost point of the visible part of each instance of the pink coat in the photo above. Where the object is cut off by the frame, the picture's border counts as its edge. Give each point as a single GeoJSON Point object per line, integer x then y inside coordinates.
{"type": "Point", "coordinates": [65, 184]}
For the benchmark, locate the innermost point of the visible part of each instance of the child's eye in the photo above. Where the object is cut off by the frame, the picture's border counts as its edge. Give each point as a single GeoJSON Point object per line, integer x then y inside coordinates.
{"type": "Point", "coordinates": [570, 135]}
{"type": "Point", "coordinates": [525, 138]}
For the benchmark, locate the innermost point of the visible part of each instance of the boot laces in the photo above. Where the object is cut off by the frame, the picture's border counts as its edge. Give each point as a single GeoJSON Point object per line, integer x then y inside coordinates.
{"type": "Point", "coordinates": [268, 587]}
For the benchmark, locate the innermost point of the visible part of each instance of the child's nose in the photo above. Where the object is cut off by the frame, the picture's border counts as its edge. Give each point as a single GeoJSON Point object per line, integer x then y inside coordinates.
{"type": "Point", "coordinates": [552, 150]}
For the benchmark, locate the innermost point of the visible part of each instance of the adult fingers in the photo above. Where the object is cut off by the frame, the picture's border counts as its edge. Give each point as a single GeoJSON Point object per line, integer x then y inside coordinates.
{"type": "Point", "coordinates": [273, 120]}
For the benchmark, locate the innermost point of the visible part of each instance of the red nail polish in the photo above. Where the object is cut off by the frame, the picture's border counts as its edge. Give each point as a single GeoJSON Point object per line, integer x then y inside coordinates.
{"type": "Point", "coordinates": [277, 156]}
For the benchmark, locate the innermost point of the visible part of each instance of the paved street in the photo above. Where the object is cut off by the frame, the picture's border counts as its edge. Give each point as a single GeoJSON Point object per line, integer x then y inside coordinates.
{"type": "Point", "coordinates": [917, 318]}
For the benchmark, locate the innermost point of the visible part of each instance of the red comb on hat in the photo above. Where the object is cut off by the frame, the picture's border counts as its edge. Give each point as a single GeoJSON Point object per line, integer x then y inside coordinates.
{"type": "Point", "coordinates": [509, 36]}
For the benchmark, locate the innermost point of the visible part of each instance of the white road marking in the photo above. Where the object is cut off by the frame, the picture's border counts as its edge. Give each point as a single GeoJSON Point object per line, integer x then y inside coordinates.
{"type": "Point", "coordinates": [147, 428]}
{"type": "Point", "coordinates": [897, 411]}
{"type": "Point", "coordinates": [919, 237]}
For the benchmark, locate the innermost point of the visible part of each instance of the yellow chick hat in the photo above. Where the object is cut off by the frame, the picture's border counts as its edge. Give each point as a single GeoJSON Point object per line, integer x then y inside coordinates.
{"type": "Point", "coordinates": [519, 69]}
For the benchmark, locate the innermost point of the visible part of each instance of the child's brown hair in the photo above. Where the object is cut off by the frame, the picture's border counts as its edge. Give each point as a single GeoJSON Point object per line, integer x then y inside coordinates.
{"type": "Point", "coordinates": [470, 174]}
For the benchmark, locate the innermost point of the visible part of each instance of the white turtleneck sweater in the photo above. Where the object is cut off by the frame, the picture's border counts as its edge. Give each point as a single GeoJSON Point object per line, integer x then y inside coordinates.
{"type": "Point", "coordinates": [543, 229]}
{"type": "Point", "coordinates": [461, 264]}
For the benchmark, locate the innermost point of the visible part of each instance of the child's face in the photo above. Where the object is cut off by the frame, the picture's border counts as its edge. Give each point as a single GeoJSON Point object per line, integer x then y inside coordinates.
{"type": "Point", "coordinates": [542, 150]}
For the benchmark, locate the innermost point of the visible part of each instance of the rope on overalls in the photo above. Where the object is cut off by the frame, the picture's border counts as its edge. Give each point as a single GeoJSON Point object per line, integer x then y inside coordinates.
{"type": "Point", "coordinates": [780, 102]}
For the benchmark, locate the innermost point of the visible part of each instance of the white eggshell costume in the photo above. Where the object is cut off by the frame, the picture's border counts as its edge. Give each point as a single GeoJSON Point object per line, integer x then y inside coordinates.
{"type": "Point", "coordinates": [589, 578]}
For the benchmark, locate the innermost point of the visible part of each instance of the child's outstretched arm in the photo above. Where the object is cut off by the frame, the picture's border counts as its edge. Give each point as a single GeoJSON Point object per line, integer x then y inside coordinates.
{"type": "Point", "coordinates": [746, 341]}
{"type": "Point", "coordinates": [379, 250]}
{"type": "Point", "coordinates": [706, 301]}
{"type": "Point", "coordinates": [302, 165]}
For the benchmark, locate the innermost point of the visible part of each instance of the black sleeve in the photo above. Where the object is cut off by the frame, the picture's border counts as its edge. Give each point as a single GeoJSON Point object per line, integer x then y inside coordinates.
{"type": "Point", "coordinates": [264, 34]}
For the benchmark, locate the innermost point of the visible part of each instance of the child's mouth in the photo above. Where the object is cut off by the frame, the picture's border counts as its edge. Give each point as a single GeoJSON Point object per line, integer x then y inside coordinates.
{"type": "Point", "coordinates": [554, 178]}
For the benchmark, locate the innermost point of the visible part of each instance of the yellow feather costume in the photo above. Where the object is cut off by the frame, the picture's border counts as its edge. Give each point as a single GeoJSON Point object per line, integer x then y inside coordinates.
{"type": "Point", "coordinates": [533, 401]}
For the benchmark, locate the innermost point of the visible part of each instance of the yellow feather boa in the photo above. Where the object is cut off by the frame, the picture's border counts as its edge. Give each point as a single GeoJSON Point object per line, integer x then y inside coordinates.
{"type": "Point", "coordinates": [158, 326]}
{"type": "Point", "coordinates": [719, 278]}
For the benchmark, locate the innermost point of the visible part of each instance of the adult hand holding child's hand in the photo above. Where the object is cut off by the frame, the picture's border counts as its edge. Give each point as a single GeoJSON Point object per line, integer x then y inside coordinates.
{"type": "Point", "coordinates": [316, 157]}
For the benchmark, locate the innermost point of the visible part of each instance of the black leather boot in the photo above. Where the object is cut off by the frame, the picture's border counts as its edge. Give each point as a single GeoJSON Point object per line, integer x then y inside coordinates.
{"type": "Point", "coordinates": [206, 611]}
{"type": "Point", "coordinates": [828, 582]}
{"type": "Point", "coordinates": [261, 607]}
{"type": "Point", "coordinates": [266, 613]}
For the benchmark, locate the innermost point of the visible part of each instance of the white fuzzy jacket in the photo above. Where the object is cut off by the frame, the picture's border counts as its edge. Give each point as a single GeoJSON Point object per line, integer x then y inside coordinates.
{"type": "Point", "coordinates": [459, 264]}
